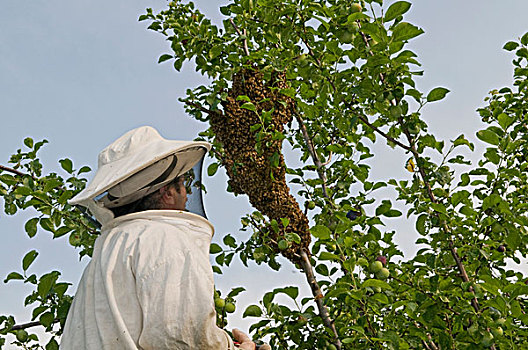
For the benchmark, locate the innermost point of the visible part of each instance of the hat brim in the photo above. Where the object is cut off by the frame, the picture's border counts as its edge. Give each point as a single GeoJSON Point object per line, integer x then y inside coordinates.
{"type": "Point", "coordinates": [113, 173]}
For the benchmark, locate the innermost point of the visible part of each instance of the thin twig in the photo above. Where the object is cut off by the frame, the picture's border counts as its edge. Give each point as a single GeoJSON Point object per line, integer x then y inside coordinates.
{"type": "Point", "coordinates": [318, 296]}
{"type": "Point", "coordinates": [246, 50]}
{"type": "Point", "coordinates": [200, 107]}
{"type": "Point", "coordinates": [391, 139]}
{"type": "Point", "coordinates": [433, 345]}
{"type": "Point", "coordinates": [328, 160]}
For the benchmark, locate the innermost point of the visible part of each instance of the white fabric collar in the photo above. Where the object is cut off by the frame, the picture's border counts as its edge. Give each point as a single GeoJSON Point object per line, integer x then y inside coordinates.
{"type": "Point", "coordinates": [162, 215]}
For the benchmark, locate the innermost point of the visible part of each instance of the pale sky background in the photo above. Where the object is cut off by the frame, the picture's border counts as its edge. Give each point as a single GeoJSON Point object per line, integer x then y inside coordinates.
{"type": "Point", "coordinates": [80, 74]}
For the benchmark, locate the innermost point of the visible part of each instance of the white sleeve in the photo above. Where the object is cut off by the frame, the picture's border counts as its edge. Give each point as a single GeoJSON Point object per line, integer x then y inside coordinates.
{"type": "Point", "coordinates": [176, 297]}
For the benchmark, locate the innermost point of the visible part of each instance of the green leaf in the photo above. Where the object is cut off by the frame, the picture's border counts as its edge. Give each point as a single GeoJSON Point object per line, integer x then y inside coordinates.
{"type": "Point", "coordinates": [22, 190]}
{"type": "Point", "coordinates": [46, 224]}
{"type": "Point", "coordinates": [212, 168]}
{"type": "Point", "coordinates": [513, 239]}
{"type": "Point", "coordinates": [510, 46]}
{"type": "Point", "coordinates": [52, 345]}
{"type": "Point", "coordinates": [290, 92]}
{"type": "Point", "coordinates": [524, 39]}
{"type": "Point", "coordinates": [414, 93]}
{"type": "Point", "coordinates": [420, 224]}
{"type": "Point", "coordinates": [250, 106]}
{"type": "Point", "coordinates": [252, 311]}
{"type": "Point", "coordinates": [292, 292]}
{"type": "Point", "coordinates": [28, 141]}
{"type": "Point", "coordinates": [37, 311]}
{"type": "Point", "coordinates": [164, 58]}
{"type": "Point", "coordinates": [46, 319]}
{"type": "Point", "coordinates": [51, 184]}
{"type": "Point", "coordinates": [488, 136]}
{"type": "Point", "coordinates": [292, 237]}
{"type": "Point", "coordinates": [215, 248]}
{"type": "Point", "coordinates": [328, 256]}
{"type": "Point", "coordinates": [67, 165]}
{"type": "Point", "coordinates": [505, 121]}
{"type": "Point", "coordinates": [392, 213]}
{"type": "Point", "coordinates": [321, 232]}
{"type": "Point", "coordinates": [438, 207]}
{"type": "Point", "coordinates": [31, 227]}
{"type": "Point", "coordinates": [376, 283]}
{"type": "Point", "coordinates": [28, 259]}
{"type": "Point", "coordinates": [405, 31]}
{"type": "Point", "coordinates": [45, 283]}
{"type": "Point", "coordinates": [215, 51]}
{"type": "Point", "coordinates": [84, 169]}
{"type": "Point", "coordinates": [461, 140]}
{"type": "Point", "coordinates": [225, 10]}
{"type": "Point", "coordinates": [397, 9]}
{"type": "Point", "coordinates": [13, 276]}
{"type": "Point", "coordinates": [61, 231]}
{"type": "Point", "coordinates": [243, 98]}
{"type": "Point", "coordinates": [274, 160]}
{"type": "Point", "coordinates": [437, 94]}
{"type": "Point", "coordinates": [380, 298]}
{"type": "Point", "coordinates": [230, 241]}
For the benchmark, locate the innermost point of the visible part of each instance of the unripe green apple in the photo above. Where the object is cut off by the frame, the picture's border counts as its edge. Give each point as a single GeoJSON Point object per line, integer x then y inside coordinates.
{"type": "Point", "coordinates": [376, 266]}
{"type": "Point", "coordinates": [219, 303]}
{"type": "Point", "coordinates": [230, 307]}
{"type": "Point", "coordinates": [75, 239]}
{"type": "Point", "coordinates": [310, 205]}
{"type": "Point", "coordinates": [302, 320]}
{"type": "Point", "coordinates": [383, 274]}
{"type": "Point", "coordinates": [21, 335]}
{"type": "Point", "coordinates": [362, 261]}
{"type": "Point", "coordinates": [356, 7]}
{"type": "Point", "coordinates": [331, 347]}
{"type": "Point", "coordinates": [497, 332]}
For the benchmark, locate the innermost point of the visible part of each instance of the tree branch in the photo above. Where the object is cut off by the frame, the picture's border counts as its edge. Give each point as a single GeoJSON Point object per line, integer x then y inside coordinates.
{"type": "Point", "coordinates": [313, 153]}
{"type": "Point", "coordinates": [29, 325]}
{"type": "Point", "coordinates": [318, 296]}
{"type": "Point", "coordinates": [11, 170]}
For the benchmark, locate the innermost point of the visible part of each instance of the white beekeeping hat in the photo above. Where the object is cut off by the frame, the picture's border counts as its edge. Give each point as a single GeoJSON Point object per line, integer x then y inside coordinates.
{"type": "Point", "coordinates": [135, 165]}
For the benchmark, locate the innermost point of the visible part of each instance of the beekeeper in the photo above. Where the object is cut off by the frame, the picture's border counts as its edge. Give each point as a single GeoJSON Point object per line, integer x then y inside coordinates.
{"type": "Point", "coordinates": [149, 284]}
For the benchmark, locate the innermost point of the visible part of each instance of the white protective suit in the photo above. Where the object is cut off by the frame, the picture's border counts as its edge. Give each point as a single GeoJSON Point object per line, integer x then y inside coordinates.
{"type": "Point", "coordinates": [148, 286]}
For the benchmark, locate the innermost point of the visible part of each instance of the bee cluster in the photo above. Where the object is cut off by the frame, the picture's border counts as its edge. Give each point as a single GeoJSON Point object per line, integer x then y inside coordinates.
{"type": "Point", "coordinates": [248, 152]}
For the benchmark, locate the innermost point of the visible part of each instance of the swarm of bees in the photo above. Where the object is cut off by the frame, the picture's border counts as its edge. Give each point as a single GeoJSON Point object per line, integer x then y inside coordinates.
{"type": "Point", "coordinates": [248, 152]}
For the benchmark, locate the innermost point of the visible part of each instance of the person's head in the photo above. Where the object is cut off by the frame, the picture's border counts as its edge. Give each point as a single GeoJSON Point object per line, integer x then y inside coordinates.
{"type": "Point", "coordinates": [172, 196]}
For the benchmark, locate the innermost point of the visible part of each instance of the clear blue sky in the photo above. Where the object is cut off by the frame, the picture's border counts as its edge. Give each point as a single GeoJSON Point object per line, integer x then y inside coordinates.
{"type": "Point", "coordinates": [80, 74]}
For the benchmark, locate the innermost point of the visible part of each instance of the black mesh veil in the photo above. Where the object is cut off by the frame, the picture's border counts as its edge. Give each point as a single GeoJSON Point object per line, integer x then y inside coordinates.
{"type": "Point", "coordinates": [194, 187]}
